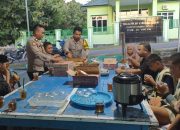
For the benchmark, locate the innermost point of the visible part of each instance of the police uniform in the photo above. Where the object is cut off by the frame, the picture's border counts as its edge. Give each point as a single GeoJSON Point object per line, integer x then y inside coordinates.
{"type": "Point", "coordinates": [76, 48]}
{"type": "Point", "coordinates": [36, 56]}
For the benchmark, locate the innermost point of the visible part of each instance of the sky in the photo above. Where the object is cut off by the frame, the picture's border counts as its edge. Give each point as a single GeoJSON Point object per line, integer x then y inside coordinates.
{"type": "Point", "coordinates": [80, 1]}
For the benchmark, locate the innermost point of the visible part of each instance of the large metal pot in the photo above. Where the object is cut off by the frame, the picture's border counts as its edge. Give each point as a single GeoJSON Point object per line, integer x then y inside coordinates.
{"type": "Point", "coordinates": [127, 89]}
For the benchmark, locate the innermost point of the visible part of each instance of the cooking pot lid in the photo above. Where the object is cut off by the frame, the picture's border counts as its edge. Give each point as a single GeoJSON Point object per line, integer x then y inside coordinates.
{"type": "Point", "coordinates": [126, 78]}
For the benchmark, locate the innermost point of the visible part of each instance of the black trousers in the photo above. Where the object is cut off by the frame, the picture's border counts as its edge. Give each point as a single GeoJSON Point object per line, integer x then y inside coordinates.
{"type": "Point", "coordinates": [30, 74]}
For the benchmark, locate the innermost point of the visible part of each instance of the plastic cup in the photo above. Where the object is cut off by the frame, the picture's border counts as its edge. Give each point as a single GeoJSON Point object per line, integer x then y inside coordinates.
{"type": "Point", "coordinates": [35, 76]}
{"type": "Point", "coordinates": [22, 93]}
{"type": "Point", "coordinates": [12, 105]}
{"type": "Point", "coordinates": [51, 69]}
{"type": "Point", "coordinates": [99, 106]}
{"type": "Point", "coordinates": [109, 85]}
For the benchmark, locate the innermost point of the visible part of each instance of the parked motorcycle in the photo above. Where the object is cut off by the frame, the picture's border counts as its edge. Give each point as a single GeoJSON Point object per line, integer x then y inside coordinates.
{"type": "Point", "coordinates": [18, 54]}
{"type": "Point", "coordinates": [60, 51]}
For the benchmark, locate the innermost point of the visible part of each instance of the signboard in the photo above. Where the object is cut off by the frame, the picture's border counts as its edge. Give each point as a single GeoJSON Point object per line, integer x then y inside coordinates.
{"type": "Point", "coordinates": [141, 28]}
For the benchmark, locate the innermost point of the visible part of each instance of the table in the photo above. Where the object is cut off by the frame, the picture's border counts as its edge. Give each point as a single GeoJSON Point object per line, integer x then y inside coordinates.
{"type": "Point", "coordinates": [72, 116]}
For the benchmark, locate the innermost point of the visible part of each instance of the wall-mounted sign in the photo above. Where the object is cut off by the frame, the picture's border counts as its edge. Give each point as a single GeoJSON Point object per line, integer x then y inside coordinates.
{"type": "Point", "coordinates": [141, 29]}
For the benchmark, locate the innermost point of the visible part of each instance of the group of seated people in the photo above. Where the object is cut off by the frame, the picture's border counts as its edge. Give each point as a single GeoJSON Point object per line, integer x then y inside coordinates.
{"type": "Point", "coordinates": [160, 83]}
{"type": "Point", "coordinates": [40, 56]}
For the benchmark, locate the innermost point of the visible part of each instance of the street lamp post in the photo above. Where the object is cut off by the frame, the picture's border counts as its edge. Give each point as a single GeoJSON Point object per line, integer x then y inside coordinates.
{"type": "Point", "coordinates": [27, 18]}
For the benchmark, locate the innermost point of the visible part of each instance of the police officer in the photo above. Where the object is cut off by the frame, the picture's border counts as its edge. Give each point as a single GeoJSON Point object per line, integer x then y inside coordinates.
{"type": "Point", "coordinates": [36, 54]}
{"type": "Point", "coordinates": [76, 47]}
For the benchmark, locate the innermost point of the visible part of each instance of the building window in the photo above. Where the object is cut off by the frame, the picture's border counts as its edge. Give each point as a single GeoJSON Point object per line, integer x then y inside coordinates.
{"type": "Point", "coordinates": [166, 15]}
{"type": "Point", "coordinates": [99, 23]}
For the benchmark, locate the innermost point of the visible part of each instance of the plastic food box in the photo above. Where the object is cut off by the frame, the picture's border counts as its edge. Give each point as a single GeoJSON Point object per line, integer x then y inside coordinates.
{"type": "Point", "coordinates": [55, 99]}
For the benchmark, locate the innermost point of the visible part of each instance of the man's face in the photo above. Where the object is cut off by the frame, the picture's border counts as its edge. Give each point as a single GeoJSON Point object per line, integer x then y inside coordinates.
{"type": "Point", "coordinates": [39, 33]}
{"type": "Point", "coordinates": [141, 51]}
{"type": "Point", "coordinates": [49, 49]}
{"type": "Point", "coordinates": [154, 66]}
{"type": "Point", "coordinates": [175, 71]}
{"type": "Point", "coordinates": [77, 35]}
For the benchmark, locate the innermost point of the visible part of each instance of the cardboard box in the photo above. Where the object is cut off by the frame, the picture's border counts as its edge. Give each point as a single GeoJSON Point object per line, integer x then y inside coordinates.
{"type": "Point", "coordinates": [89, 68]}
{"type": "Point", "coordinates": [61, 68]}
{"type": "Point", "coordinates": [77, 61]}
{"type": "Point", "coordinates": [90, 80]}
{"type": "Point", "coordinates": [110, 63]}
{"type": "Point", "coordinates": [84, 80]}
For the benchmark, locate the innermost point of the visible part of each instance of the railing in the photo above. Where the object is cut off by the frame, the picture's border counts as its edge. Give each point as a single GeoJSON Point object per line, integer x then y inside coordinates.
{"type": "Point", "coordinates": [67, 33]}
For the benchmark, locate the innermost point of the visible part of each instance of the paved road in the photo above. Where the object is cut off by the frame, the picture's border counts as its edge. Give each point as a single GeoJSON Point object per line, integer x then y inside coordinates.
{"type": "Point", "coordinates": [118, 49]}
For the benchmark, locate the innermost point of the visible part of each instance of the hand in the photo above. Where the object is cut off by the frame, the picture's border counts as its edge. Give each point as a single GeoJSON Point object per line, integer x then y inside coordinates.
{"type": "Point", "coordinates": [119, 70]}
{"type": "Point", "coordinates": [56, 55]}
{"type": "Point", "coordinates": [177, 106]}
{"type": "Point", "coordinates": [57, 59]}
{"type": "Point", "coordinates": [130, 59]}
{"type": "Point", "coordinates": [162, 88]}
{"type": "Point", "coordinates": [155, 101]}
{"type": "Point", "coordinates": [149, 79]}
{"type": "Point", "coordinates": [85, 60]}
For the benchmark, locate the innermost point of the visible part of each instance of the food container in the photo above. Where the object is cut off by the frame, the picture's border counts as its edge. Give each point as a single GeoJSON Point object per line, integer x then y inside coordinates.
{"type": "Point", "coordinates": [90, 80]}
{"type": "Point", "coordinates": [89, 68]}
{"type": "Point", "coordinates": [110, 63]}
{"type": "Point", "coordinates": [61, 68]}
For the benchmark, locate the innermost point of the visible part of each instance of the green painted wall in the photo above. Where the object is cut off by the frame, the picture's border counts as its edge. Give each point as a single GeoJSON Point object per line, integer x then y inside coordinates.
{"type": "Point", "coordinates": [98, 37]}
{"type": "Point", "coordinates": [103, 39]}
{"type": "Point", "coordinates": [147, 6]}
{"type": "Point", "coordinates": [174, 7]}
{"type": "Point", "coordinates": [100, 10]}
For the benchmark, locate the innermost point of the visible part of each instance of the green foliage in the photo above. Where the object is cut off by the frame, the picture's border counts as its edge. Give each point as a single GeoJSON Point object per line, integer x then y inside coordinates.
{"type": "Point", "coordinates": [11, 20]}
{"type": "Point", "coordinates": [55, 14]}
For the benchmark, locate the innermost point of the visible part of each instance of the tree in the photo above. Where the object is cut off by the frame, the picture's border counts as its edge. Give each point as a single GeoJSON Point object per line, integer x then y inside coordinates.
{"type": "Point", "coordinates": [51, 13]}
{"type": "Point", "coordinates": [56, 14]}
{"type": "Point", "coordinates": [12, 13]}
{"type": "Point", "coordinates": [76, 17]}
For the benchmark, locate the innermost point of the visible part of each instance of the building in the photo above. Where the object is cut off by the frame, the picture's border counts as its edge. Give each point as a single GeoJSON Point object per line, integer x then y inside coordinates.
{"type": "Point", "coordinates": [156, 18]}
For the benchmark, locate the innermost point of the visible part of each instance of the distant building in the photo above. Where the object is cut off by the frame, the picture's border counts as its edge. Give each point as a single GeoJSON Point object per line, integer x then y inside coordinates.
{"type": "Point", "coordinates": [151, 20]}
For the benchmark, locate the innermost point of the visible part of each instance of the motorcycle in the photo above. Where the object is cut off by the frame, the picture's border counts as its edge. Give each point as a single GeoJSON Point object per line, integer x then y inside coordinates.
{"type": "Point", "coordinates": [59, 51]}
{"type": "Point", "coordinates": [18, 54]}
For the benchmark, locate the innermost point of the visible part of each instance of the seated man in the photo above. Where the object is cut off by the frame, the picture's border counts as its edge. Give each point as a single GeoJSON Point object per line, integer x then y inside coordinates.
{"type": "Point", "coordinates": [167, 113]}
{"type": "Point", "coordinates": [48, 47]}
{"type": "Point", "coordinates": [144, 51]}
{"type": "Point", "coordinates": [163, 75]}
{"type": "Point", "coordinates": [4, 76]}
{"type": "Point", "coordinates": [76, 47]}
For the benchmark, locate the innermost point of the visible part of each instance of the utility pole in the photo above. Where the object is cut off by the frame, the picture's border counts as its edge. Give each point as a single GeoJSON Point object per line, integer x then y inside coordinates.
{"type": "Point", "coordinates": [27, 18]}
{"type": "Point", "coordinates": [138, 8]}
